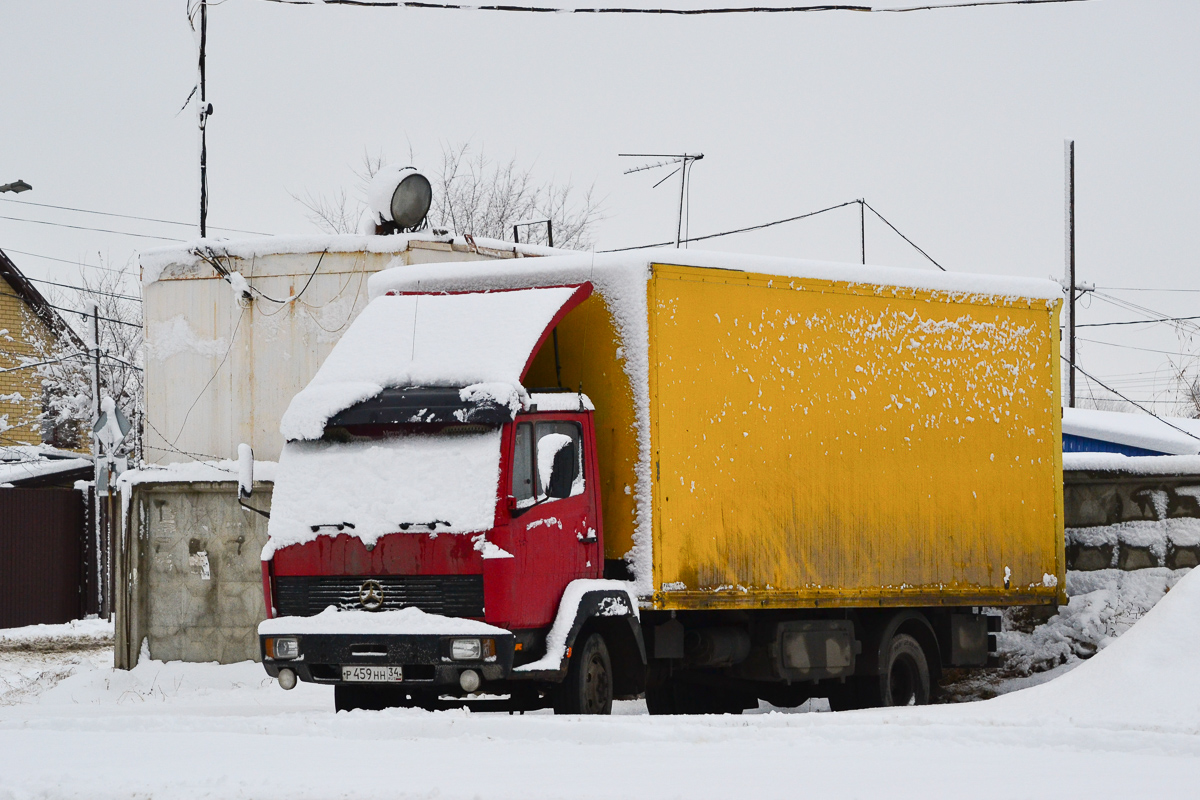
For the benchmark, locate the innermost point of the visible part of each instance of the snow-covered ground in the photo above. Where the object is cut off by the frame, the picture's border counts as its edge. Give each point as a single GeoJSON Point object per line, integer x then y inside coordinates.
{"type": "Point", "coordinates": [1124, 723]}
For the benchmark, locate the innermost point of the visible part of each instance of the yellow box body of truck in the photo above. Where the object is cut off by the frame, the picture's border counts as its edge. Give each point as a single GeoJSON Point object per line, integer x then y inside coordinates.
{"type": "Point", "coordinates": [819, 443]}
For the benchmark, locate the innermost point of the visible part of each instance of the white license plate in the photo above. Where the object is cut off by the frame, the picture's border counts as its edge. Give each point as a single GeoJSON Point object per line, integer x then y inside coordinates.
{"type": "Point", "coordinates": [372, 674]}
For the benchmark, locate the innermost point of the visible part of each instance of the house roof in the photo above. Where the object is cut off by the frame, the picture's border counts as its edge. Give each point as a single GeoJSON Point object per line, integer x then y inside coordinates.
{"type": "Point", "coordinates": [1143, 433]}
{"type": "Point", "coordinates": [37, 303]}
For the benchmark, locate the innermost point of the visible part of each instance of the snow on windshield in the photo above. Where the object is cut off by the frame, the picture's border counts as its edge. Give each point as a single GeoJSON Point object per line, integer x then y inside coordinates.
{"type": "Point", "coordinates": [425, 340]}
{"type": "Point", "coordinates": [445, 483]}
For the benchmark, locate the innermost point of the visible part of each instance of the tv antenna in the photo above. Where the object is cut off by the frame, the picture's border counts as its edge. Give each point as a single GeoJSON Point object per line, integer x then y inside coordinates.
{"type": "Point", "coordinates": [685, 162]}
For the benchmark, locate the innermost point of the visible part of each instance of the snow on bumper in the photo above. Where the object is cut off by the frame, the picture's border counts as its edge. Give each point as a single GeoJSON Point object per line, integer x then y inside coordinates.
{"type": "Point", "coordinates": [431, 650]}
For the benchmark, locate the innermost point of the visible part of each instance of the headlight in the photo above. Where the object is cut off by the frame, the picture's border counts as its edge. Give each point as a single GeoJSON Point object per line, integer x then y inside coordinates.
{"type": "Point", "coordinates": [472, 649]}
{"type": "Point", "coordinates": [466, 649]}
{"type": "Point", "coordinates": [283, 648]}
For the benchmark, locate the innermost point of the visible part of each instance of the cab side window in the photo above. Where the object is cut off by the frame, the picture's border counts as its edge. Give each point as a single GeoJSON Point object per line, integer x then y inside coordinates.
{"type": "Point", "coordinates": [523, 488]}
{"type": "Point", "coordinates": [553, 438]}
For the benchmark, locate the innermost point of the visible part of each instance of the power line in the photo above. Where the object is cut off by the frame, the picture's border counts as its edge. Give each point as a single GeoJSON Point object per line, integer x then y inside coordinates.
{"type": "Point", "coordinates": [1127, 400]}
{"type": "Point", "coordinates": [65, 261]}
{"type": "Point", "coordinates": [1134, 322]}
{"type": "Point", "coordinates": [667, 11]}
{"type": "Point", "coordinates": [1133, 347]}
{"type": "Point", "coordinates": [736, 230]}
{"type": "Point", "coordinates": [859, 202]}
{"type": "Point", "coordinates": [86, 228]}
{"type": "Point", "coordinates": [1142, 289]}
{"type": "Point", "coordinates": [902, 236]}
{"type": "Point", "coordinates": [1152, 314]}
{"type": "Point", "coordinates": [88, 291]}
{"type": "Point", "coordinates": [77, 311]}
{"type": "Point", "coordinates": [126, 216]}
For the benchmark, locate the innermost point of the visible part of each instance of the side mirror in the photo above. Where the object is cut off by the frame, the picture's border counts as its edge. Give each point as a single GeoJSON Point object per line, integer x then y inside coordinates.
{"type": "Point", "coordinates": [556, 464]}
{"type": "Point", "coordinates": [562, 475]}
{"type": "Point", "coordinates": [245, 471]}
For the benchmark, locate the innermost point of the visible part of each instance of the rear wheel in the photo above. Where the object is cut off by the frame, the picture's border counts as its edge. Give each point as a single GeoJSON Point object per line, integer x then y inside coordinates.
{"type": "Point", "coordinates": [904, 680]}
{"type": "Point", "coordinates": [588, 688]}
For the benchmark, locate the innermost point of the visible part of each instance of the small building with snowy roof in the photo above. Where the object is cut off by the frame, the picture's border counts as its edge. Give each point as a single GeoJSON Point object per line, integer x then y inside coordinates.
{"type": "Point", "coordinates": [1089, 431]}
{"type": "Point", "coordinates": [235, 328]}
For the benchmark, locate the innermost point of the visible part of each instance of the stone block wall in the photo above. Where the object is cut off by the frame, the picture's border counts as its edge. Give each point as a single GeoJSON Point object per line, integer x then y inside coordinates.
{"type": "Point", "coordinates": [1131, 522]}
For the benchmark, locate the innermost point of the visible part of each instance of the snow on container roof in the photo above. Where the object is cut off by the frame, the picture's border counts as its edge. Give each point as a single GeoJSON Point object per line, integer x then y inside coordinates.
{"type": "Point", "coordinates": [418, 339]}
{"type": "Point", "coordinates": [577, 267]}
{"type": "Point", "coordinates": [1162, 435]}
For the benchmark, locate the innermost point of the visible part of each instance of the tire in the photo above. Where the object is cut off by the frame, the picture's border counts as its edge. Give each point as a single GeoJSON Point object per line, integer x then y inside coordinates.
{"type": "Point", "coordinates": [588, 688]}
{"type": "Point", "coordinates": [905, 679]}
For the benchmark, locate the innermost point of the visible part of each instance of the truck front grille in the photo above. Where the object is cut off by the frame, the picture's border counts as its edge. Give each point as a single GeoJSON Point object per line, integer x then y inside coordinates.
{"type": "Point", "coordinates": [449, 595]}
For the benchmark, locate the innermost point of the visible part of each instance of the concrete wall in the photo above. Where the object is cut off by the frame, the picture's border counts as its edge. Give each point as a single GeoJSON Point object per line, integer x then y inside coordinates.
{"type": "Point", "coordinates": [196, 592]}
{"type": "Point", "coordinates": [1130, 522]}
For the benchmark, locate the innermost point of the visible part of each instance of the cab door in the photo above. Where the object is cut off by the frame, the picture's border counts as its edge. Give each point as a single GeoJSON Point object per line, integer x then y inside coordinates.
{"type": "Point", "coordinates": [554, 518]}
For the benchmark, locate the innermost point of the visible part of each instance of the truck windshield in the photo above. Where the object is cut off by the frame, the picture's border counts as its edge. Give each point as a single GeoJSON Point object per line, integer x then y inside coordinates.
{"type": "Point", "coordinates": [443, 480]}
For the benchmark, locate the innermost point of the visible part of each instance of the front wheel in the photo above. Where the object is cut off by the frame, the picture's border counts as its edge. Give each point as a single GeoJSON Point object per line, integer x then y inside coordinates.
{"type": "Point", "coordinates": [588, 688]}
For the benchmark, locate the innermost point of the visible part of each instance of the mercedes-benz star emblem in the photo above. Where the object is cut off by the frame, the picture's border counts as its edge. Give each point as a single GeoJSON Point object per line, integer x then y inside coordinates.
{"type": "Point", "coordinates": [370, 595]}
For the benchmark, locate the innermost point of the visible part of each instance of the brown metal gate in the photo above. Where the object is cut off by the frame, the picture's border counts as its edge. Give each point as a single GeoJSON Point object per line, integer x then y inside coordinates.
{"type": "Point", "coordinates": [42, 546]}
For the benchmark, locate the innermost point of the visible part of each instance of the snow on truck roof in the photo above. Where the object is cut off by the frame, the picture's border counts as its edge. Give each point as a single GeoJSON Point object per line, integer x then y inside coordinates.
{"type": "Point", "coordinates": [602, 268]}
{"type": "Point", "coordinates": [483, 342]}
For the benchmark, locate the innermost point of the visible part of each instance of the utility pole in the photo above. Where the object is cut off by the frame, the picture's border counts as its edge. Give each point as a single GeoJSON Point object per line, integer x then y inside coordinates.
{"type": "Point", "coordinates": [1069, 278]}
{"type": "Point", "coordinates": [205, 112]}
{"type": "Point", "coordinates": [102, 555]}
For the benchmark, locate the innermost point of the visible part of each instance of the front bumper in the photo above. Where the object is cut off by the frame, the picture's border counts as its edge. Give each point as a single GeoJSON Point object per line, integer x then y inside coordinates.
{"type": "Point", "coordinates": [425, 659]}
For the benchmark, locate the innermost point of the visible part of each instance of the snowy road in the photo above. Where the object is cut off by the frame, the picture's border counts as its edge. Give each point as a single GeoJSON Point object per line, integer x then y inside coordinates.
{"type": "Point", "coordinates": [300, 750]}
{"type": "Point", "coordinates": [1124, 724]}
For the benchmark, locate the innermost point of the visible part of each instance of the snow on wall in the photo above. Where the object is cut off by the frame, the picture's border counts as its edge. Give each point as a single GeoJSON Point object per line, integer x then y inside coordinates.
{"type": "Point", "coordinates": [424, 340]}
{"type": "Point", "coordinates": [153, 261]}
{"type": "Point", "coordinates": [1155, 535]}
{"type": "Point", "coordinates": [441, 483]}
{"type": "Point", "coordinates": [196, 472]}
{"type": "Point", "coordinates": [1132, 465]}
{"type": "Point", "coordinates": [1134, 430]}
{"type": "Point", "coordinates": [621, 280]}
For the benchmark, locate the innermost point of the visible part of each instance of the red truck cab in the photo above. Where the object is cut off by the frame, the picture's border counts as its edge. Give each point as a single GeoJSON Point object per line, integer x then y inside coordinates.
{"type": "Point", "coordinates": [488, 601]}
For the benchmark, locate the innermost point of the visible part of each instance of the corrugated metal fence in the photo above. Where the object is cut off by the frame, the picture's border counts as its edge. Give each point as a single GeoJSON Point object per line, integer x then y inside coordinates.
{"type": "Point", "coordinates": [44, 563]}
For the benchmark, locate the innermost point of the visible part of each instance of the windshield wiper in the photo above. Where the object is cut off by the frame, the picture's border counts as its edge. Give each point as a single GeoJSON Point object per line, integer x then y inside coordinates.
{"type": "Point", "coordinates": [430, 525]}
{"type": "Point", "coordinates": [338, 525]}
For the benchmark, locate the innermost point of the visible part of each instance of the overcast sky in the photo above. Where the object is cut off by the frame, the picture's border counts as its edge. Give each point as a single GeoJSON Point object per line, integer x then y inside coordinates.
{"type": "Point", "coordinates": [950, 123]}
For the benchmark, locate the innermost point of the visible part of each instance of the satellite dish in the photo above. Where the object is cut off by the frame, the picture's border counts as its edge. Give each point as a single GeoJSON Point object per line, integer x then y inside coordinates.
{"type": "Point", "coordinates": [400, 198]}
